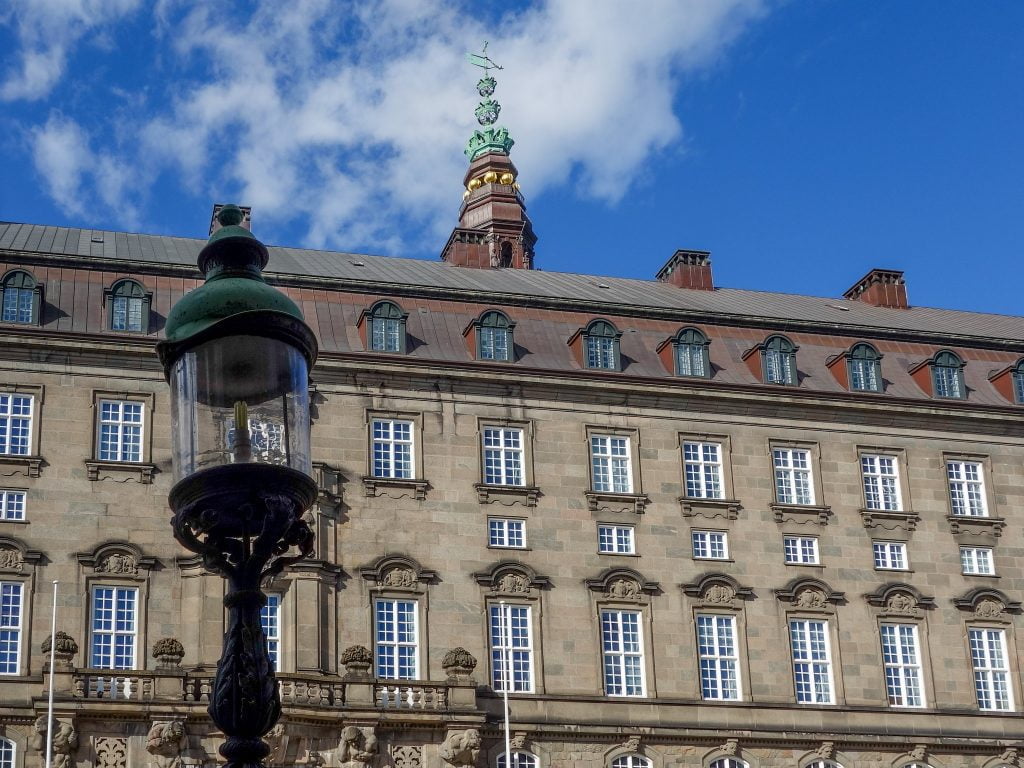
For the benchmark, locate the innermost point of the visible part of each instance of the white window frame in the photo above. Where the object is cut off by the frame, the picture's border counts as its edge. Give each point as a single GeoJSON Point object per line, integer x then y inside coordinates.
{"type": "Point", "coordinates": [510, 637]}
{"type": "Point", "coordinates": [890, 555]}
{"type": "Point", "coordinates": [966, 480]}
{"type": "Point", "coordinates": [128, 437]}
{"type": "Point", "coordinates": [974, 563]}
{"type": "Point", "coordinates": [881, 476]}
{"type": "Point", "coordinates": [390, 643]}
{"type": "Point", "coordinates": [95, 632]}
{"type": "Point", "coordinates": [800, 550]}
{"type": "Point", "coordinates": [623, 662]}
{"type": "Point", "coordinates": [601, 352]}
{"type": "Point", "coordinates": [811, 652]}
{"type": "Point", "coordinates": [8, 753]}
{"type": "Point", "coordinates": [615, 539]}
{"type": "Point", "coordinates": [703, 472]}
{"type": "Point", "coordinates": [398, 453]}
{"type": "Point", "coordinates": [504, 455]}
{"type": "Point", "coordinates": [902, 665]}
{"type": "Point", "coordinates": [385, 334]}
{"type": "Point", "coordinates": [709, 542]}
{"type": "Point", "coordinates": [611, 463]}
{"type": "Point", "coordinates": [520, 759]}
{"type": "Point", "coordinates": [13, 504]}
{"type": "Point", "coordinates": [503, 526]}
{"type": "Point", "coordinates": [718, 654]}
{"type": "Point", "coordinates": [631, 761]}
{"type": "Point", "coordinates": [16, 415]}
{"type": "Point", "coordinates": [12, 625]}
{"type": "Point", "coordinates": [990, 661]}
{"type": "Point", "coordinates": [728, 762]}
{"type": "Point", "coordinates": [794, 475]}
{"type": "Point", "coordinates": [270, 620]}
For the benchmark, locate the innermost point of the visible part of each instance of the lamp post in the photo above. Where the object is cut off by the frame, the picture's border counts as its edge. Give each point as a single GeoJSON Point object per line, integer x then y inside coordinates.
{"type": "Point", "coordinates": [237, 356]}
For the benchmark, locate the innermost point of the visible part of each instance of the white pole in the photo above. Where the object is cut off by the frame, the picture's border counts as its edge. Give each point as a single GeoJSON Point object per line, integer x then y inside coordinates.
{"type": "Point", "coordinates": [53, 656]}
{"type": "Point", "coordinates": [506, 638]}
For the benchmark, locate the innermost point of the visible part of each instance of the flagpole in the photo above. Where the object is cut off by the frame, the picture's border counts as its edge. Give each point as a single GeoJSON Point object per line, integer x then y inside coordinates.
{"type": "Point", "coordinates": [53, 657]}
{"type": "Point", "coordinates": [506, 637]}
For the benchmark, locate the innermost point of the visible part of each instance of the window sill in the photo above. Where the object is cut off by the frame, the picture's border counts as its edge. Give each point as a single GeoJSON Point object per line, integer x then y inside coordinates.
{"type": "Point", "coordinates": [11, 464]}
{"type": "Point", "coordinates": [507, 495]}
{"type": "Point", "coordinates": [802, 565]}
{"type": "Point", "coordinates": [109, 470]}
{"type": "Point", "coordinates": [13, 522]}
{"type": "Point", "coordinates": [395, 488]}
{"type": "Point", "coordinates": [506, 549]}
{"type": "Point", "coordinates": [801, 513]}
{"type": "Point", "coordinates": [976, 525]}
{"type": "Point", "coordinates": [714, 560]}
{"type": "Point", "coordinates": [889, 520]}
{"type": "Point", "coordinates": [729, 509]}
{"type": "Point", "coordinates": [980, 575]}
{"type": "Point", "coordinates": [618, 554]}
{"type": "Point", "coordinates": [601, 501]}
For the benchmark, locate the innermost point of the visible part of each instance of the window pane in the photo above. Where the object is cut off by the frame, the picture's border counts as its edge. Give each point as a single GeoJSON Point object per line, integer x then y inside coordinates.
{"type": "Point", "coordinates": [511, 648]}
{"type": "Point", "coordinates": [623, 653]}
{"type": "Point", "coordinates": [991, 670]}
{"type": "Point", "coordinates": [270, 619]}
{"type": "Point", "coordinates": [503, 456]}
{"type": "Point", "coordinates": [392, 448]}
{"type": "Point", "coordinates": [610, 464]}
{"type": "Point", "coordinates": [812, 665]}
{"type": "Point", "coordinates": [702, 468]}
{"type": "Point", "coordinates": [966, 488]}
{"type": "Point", "coordinates": [397, 639]}
{"type": "Point", "coordinates": [15, 424]}
{"type": "Point", "coordinates": [902, 665]}
{"type": "Point", "coordinates": [11, 618]}
{"type": "Point", "coordinates": [718, 655]}
{"type": "Point", "coordinates": [792, 476]}
{"type": "Point", "coordinates": [114, 627]}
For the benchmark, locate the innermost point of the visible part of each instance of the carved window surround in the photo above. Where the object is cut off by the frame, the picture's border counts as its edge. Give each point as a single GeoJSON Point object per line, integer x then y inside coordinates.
{"type": "Point", "coordinates": [15, 557]}
{"type": "Point", "coordinates": [328, 486]}
{"type": "Point", "coordinates": [599, 501]}
{"type": "Point", "coordinates": [801, 513]}
{"type": "Point", "coordinates": [899, 601]}
{"type": "Point", "coordinates": [889, 520]}
{"type": "Point", "coordinates": [810, 596]}
{"type": "Point", "coordinates": [976, 526]}
{"type": "Point", "coordinates": [398, 573]}
{"type": "Point", "coordinates": [120, 471]}
{"type": "Point", "coordinates": [728, 509]}
{"type": "Point", "coordinates": [989, 605]}
{"type": "Point", "coordinates": [513, 579]}
{"type": "Point", "coordinates": [395, 488]}
{"type": "Point", "coordinates": [507, 495]}
{"type": "Point", "coordinates": [717, 590]}
{"type": "Point", "coordinates": [29, 466]}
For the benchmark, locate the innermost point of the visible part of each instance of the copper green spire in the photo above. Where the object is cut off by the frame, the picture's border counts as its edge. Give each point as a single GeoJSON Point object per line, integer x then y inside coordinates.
{"type": "Point", "coordinates": [490, 138]}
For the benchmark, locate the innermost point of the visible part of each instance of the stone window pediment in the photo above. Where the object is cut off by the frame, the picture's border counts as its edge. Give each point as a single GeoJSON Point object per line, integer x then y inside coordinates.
{"type": "Point", "coordinates": [398, 573]}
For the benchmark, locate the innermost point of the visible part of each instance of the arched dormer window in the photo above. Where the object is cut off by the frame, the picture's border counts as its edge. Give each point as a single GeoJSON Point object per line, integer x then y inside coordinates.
{"type": "Point", "coordinates": [386, 332]}
{"type": "Point", "coordinates": [21, 298]}
{"type": "Point", "coordinates": [494, 337]}
{"type": "Point", "coordinates": [631, 761]}
{"type": "Point", "coordinates": [865, 368]}
{"type": "Point", "coordinates": [691, 348]}
{"type": "Point", "coordinates": [1018, 382]}
{"type": "Point", "coordinates": [601, 346]}
{"type": "Point", "coordinates": [948, 375]}
{"type": "Point", "coordinates": [519, 760]}
{"type": "Point", "coordinates": [778, 361]}
{"type": "Point", "coordinates": [6, 753]}
{"type": "Point", "coordinates": [127, 307]}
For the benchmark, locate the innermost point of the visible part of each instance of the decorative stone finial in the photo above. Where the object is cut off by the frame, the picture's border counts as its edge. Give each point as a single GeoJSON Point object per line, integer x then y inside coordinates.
{"type": "Point", "coordinates": [491, 138]}
{"type": "Point", "coordinates": [458, 664]}
{"type": "Point", "coordinates": [63, 653]}
{"type": "Point", "coordinates": [168, 652]}
{"type": "Point", "coordinates": [357, 660]}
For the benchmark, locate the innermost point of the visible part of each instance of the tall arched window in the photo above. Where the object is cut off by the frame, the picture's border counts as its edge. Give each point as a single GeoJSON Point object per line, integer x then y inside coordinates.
{"type": "Point", "coordinates": [692, 353]}
{"type": "Point", "coordinates": [519, 760]}
{"type": "Point", "coordinates": [601, 345]}
{"type": "Point", "coordinates": [6, 753]}
{"type": "Point", "coordinates": [865, 368]}
{"type": "Point", "coordinates": [631, 761]}
{"type": "Point", "coordinates": [20, 298]}
{"type": "Point", "coordinates": [1018, 382]}
{"type": "Point", "coordinates": [728, 762]}
{"type": "Point", "coordinates": [387, 328]}
{"type": "Point", "coordinates": [948, 375]}
{"type": "Point", "coordinates": [128, 307]}
{"type": "Point", "coordinates": [778, 358]}
{"type": "Point", "coordinates": [494, 337]}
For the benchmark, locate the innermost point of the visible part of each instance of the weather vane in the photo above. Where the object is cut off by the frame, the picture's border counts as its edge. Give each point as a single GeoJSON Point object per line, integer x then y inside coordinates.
{"type": "Point", "coordinates": [482, 60]}
{"type": "Point", "coordinates": [491, 138]}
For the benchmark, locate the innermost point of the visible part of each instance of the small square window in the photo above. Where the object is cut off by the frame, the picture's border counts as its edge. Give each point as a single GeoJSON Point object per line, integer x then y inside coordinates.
{"type": "Point", "coordinates": [977, 561]}
{"type": "Point", "coordinates": [710, 545]}
{"type": "Point", "coordinates": [615, 540]}
{"type": "Point", "coordinates": [506, 532]}
{"type": "Point", "coordinates": [12, 505]}
{"type": "Point", "coordinates": [801, 550]}
{"type": "Point", "coordinates": [890, 555]}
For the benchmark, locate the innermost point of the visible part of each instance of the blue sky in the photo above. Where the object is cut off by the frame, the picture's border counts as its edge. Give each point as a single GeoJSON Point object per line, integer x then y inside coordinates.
{"type": "Point", "coordinates": [802, 142]}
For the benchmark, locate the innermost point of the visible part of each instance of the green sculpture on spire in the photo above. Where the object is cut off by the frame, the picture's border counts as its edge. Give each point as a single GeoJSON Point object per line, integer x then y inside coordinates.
{"type": "Point", "coordinates": [490, 138]}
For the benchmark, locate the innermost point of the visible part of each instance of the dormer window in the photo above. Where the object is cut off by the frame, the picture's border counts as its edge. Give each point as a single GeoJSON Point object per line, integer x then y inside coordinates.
{"type": "Point", "coordinates": [21, 294]}
{"type": "Point", "coordinates": [386, 332]}
{"type": "Point", "coordinates": [1018, 382]}
{"type": "Point", "coordinates": [778, 361]}
{"type": "Point", "coordinates": [601, 345]}
{"type": "Point", "coordinates": [691, 353]}
{"type": "Point", "coordinates": [948, 375]}
{"type": "Point", "coordinates": [864, 368]}
{"type": "Point", "coordinates": [494, 337]}
{"type": "Point", "coordinates": [127, 307]}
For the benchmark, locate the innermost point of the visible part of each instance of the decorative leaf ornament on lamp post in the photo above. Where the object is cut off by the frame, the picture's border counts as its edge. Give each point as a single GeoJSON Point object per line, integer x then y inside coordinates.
{"type": "Point", "coordinates": [237, 356]}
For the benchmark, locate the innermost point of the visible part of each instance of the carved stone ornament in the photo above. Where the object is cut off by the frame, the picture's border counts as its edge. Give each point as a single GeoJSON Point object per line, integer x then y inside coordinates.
{"type": "Point", "coordinates": [731, 746]}
{"type": "Point", "coordinates": [165, 741]}
{"type": "Point", "coordinates": [458, 664]}
{"type": "Point", "coordinates": [632, 744]}
{"type": "Point", "coordinates": [719, 593]}
{"type": "Point", "coordinates": [277, 740]}
{"type": "Point", "coordinates": [358, 748]}
{"type": "Point", "coordinates": [461, 748]}
{"type": "Point", "coordinates": [64, 652]}
{"type": "Point", "coordinates": [407, 756]}
{"type": "Point", "coordinates": [168, 652]}
{"type": "Point", "coordinates": [1009, 755]}
{"type": "Point", "coordinates": [624, 589]}
{"type": "Point", "coordinates": [901, 602]}
{"type": "Point", "coordinates": [11, 559]}
{"type": "Point", "coordinates": [518, 740]}
{"type": "Point", "coordinates": [118, 563]}
{"type": "Point", "coordinates": [919, 752]}
{"type": "Point", "coordinates": [111, 752]}
{"type": "Point", "coordinates": [826, 750]}
{"type": "Point", "coordinates": [398, 578]}
{"type": "Point", "coordinates": [357, 661]}
{"type": "Point", "coordinates": [513, 583]}
{"type": "Point", "coordinates": [989, 608]}
{"type": "Point", "coordinates": [65, 741]}
{"type": "Point", "coordinates": [810, 598]}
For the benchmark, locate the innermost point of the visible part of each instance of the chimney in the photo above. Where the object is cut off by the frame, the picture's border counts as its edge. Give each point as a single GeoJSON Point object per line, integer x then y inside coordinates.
{"type": "Point", "coordinates": [880, 288]}
{"type": "Point", "coordinates": [246, 222]}
{"type": "Point", "coordinates": [688, 269]}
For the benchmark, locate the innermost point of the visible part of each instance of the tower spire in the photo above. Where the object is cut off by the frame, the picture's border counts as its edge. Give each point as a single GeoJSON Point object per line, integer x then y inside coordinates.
{"type": "Point", "coordinates": [494, 230]}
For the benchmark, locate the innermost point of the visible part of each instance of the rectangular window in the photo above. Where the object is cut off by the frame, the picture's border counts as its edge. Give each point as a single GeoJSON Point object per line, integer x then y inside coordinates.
{"type": "Point", "coordinates": [615, 540]}
{"type": "Point", "coordinates": [12, 504]}
{"type": "Point", "coordinates": [719, 657]}
{"type": "Point", "coordinates": [702, 467]}
{"type": "Point", "coordinates": [11, 622]}
{"type": "Point", "coordinates": [17, 304]}
{"type": "Point", "coordinates": [126, 314]}
{"type": "Point", "coordinates": [397, 639]}
{"type": "Point", "coordinates": [270, 618]}
{"type": "Point", "coordinates": [800, 550]}
{"type": "Point", "coordinates": [503, 456]}
{"type": "Point", "coordinates": [505, 532]}
{"type": "Point", "coordinates": [864, 375]}
{"type": "Point", "coordinates": [386, 334]}
{"type": "Point", "coordinates": [623, 652]}
{"type": "Point", "coordinates": [881, 482]}
{"type": "Point", "coordinates": [902, 663]}
{"type": "Point", "coordinates": [601, 353]}
{"type": "Point", "coordinates": [947, 381]}
{"type": "Point", "coordinates": [778, 367]}
{"type": "Point", "coordinates": [991, 669]}
{"type": "Point", "coordinates": [709, 545]}
{"type": "Point", "coordinates": [793, 484]}
{"type": "Point", "coordinates": [1018, 385]}
{"type": "Point", "coordinates": [15, 424]}
{"type": "Point", "coordinates": [977, 561]}
{"type": "Point", "coordinates": [120, 431]}
{"type": "Point", "coordinates": [114, 627]}
{"type": "Point", "coordinates": [690, 360]}
{"type": "Point", "coordinates": [890, 555]}
{"type": "Point", "coordinates": [392, 449]}
{"type": "Point", "coordinates": [511, 647]}
{"type": "Point", "coordinates": [609, 460]}
{"type": "Point", "coordinates": [812, 661]}
{"type": "Point", "coordinates": [966, 488]}
{"type": "Point", "coordinates": [493, 343]}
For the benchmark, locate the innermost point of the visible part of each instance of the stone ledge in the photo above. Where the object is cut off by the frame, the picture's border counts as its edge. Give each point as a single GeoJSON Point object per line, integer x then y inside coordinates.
{"type": "Point", "coordinates": [890, 520]}
{"type": "Point", "coordinates": [507, 495]}
{"type": "Point", "coordinates": [801, 513]}
{"type": "Point", "coordinates": [728, 509]}
{"type": "Point", "coordinates": [395, 488]}
{"type": "Point", "coordinates": [599, 501]}
{"type": "Point", "coordinates": [104, 470]}
{"type": "Point", "coordinates": [976, 526]}
{"type": "Point", "coordinates": [29, 466]}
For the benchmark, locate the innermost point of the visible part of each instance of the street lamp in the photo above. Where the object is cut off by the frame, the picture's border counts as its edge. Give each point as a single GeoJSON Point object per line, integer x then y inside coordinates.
{"type": "Point", "coordinates": [237, 356]}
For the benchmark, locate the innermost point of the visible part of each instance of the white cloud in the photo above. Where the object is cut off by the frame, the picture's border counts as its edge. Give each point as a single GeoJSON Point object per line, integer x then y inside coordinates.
{"type": "Point", "coordinates": [355, 124]}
